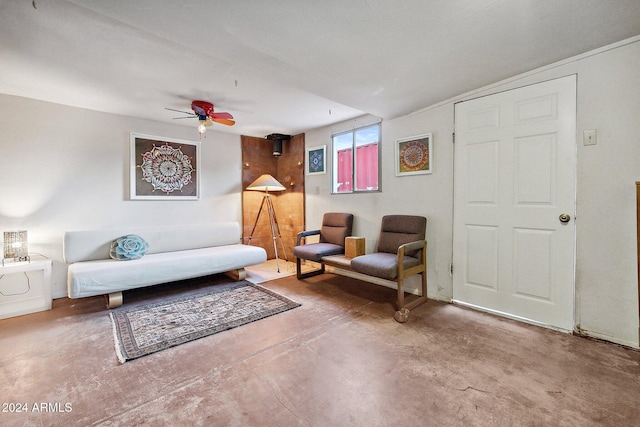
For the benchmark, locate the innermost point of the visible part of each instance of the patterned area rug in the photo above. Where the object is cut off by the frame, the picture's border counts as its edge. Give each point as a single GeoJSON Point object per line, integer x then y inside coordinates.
{"type": "Point", "coordinates": [148, 328]}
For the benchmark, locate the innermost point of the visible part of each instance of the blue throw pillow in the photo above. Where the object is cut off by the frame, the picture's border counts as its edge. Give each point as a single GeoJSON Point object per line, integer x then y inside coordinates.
{"type": "Point", "coordinates": [128, 247]}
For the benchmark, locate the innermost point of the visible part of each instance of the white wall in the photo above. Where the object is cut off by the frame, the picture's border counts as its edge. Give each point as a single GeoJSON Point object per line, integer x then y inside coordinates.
{"type": "Point", "coordinates": [607, 282]}
{"type": "Point", "coordinates": [606, 254]}
{"type": "Point", "coordinates": [426, 195]}
{"type": "Point", "coordinates": [64, 168]}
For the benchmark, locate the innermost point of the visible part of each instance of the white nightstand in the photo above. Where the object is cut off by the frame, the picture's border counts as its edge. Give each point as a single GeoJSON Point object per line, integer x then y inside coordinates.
{"type": "Point", "coordinates": [25, 287]}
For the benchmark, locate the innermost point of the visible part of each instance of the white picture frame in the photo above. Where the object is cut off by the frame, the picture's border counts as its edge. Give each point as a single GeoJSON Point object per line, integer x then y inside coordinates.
{"type": "Point", "coordinates": [315, 161]}
{"type": "Point", "coordinates": [414, 155]}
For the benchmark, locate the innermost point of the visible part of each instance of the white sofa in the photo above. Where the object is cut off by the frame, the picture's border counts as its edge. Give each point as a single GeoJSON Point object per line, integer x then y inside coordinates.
{"type": "Point", "coordinates": [174, 253]}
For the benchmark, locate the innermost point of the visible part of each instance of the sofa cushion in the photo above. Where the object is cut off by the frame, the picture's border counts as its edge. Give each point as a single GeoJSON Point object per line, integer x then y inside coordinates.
{"type": "Point", "coordinates": [89, 245]}
{"type": "Point", "coordinates": [315, 251]}
{"type": "Point", "coordinates": [129, 247]}
{"type": "Point", "coordinates": [381, 264]}
{"type": "Point", "coordinates": [104, 276]}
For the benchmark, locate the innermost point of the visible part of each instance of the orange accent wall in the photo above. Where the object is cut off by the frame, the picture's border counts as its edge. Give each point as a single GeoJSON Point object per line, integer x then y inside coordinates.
{"type": "Point", "coordinates": [288, 169]}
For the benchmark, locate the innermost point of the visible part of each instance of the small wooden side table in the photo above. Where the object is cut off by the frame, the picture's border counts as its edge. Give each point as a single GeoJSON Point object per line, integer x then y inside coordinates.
{"type": "Point", "coordinates": [25, 287]}
{"type": "Point", "coordinates": [354, 246]}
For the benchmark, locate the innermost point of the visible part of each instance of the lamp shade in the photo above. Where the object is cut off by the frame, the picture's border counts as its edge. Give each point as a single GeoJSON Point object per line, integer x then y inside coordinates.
{"type": "Point", "coordinates": [266, 183]}
{"type": "Point", "coordinates": [15, 245]}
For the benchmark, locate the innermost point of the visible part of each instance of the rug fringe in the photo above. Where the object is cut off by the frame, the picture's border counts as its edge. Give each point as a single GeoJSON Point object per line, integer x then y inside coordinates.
{"type": "Point", "coordinates": [116, 340]}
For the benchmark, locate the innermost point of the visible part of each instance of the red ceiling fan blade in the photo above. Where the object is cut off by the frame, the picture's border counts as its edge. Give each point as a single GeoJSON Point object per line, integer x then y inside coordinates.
{"type": "Point", "coordinates": [222, 115]}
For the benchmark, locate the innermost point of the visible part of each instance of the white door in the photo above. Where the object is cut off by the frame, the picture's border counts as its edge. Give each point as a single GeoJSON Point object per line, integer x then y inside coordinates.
{"type": "Point", "coordinates": [515, 167]}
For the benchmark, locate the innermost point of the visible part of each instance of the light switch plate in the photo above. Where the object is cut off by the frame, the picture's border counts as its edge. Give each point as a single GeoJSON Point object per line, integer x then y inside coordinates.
{"type": "Point", "coordinates": [590, 137]}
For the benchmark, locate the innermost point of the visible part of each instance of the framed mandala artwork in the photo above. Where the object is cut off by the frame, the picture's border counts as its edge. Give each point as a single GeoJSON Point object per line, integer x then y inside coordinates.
{"type": "Point", "coordinates": [413, 155]}
{"type": "Point", "coordinates": [316, 160]}
{"type": "Point", "coordinates": [164, 168]}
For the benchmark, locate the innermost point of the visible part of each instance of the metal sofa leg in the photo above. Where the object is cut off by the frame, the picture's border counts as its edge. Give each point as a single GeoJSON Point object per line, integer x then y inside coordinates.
{"type": "Point", "coordinates": [114, 299]}
{"type": "Point", "coordinates": [237, 275]}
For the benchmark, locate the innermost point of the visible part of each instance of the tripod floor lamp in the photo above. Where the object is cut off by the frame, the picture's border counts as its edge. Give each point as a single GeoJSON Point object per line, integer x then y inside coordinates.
{"type": "Point", "coordinates": [268, 183]}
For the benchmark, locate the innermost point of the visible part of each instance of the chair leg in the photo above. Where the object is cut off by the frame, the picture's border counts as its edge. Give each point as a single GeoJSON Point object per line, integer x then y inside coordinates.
{"type": "Point", "coordinates": [301, 275]}
{"type": "Point", "coordinates": [402, 315]}
{"type": "Point", "coordinates": [400, 294]}
{"type": "Point", "coordinates": [424, 285]}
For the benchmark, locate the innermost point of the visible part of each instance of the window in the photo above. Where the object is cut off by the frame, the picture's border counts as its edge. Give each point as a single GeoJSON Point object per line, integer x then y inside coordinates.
{"type": "Point", "coordinates": [356, 172]}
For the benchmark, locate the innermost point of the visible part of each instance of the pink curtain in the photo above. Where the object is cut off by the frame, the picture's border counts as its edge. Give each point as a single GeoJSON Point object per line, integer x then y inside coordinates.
{"type": "Point", "coordinates": [367, 167]}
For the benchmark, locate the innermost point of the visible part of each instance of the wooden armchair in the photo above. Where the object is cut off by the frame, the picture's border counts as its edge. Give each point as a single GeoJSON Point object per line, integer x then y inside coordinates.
{"type": "Point", "coordinates": [335, 227]}
{"type": "Point", "coordinates": [401, 252]}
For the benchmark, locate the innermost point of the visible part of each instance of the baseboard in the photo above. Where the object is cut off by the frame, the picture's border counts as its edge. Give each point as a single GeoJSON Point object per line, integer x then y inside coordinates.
{"type": "Point", "coordinates": [511, 316]}
{"type": "Point", "coordinates": [577, 331]}
{"type": "Point", "coordinates": [604, 337]}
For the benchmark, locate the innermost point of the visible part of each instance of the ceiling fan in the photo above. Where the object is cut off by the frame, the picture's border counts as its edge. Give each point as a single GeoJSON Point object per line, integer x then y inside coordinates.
{"type": "Point", "coordinates": [203, 110]}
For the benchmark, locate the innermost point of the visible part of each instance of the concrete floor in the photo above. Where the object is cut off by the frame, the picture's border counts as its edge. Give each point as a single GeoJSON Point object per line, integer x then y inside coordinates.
{"type": "Point", "coordinates": [338, 360]}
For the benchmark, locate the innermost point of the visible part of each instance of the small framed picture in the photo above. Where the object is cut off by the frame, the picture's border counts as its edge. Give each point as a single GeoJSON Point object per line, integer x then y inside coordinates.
{"type": "Point", "coordinates": [316, 160]}
{"type": "Point", "coordinates": [164, 168]}
{"type": "Point", "coordinates": [414, 155]}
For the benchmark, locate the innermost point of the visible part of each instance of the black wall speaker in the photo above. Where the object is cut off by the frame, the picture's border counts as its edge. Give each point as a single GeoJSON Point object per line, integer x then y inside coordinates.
{"type": "Point", "coordinates": [277, 147]}
{"type": "Point", "coordinates": [277, 139]}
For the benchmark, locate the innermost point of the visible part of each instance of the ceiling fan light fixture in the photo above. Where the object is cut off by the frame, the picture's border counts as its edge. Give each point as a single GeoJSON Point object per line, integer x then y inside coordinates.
{"type": "Point", "coordinates": [201, 127]}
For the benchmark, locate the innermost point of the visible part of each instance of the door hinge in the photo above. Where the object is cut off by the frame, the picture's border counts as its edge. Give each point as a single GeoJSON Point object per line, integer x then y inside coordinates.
{"type": "Point", "coordinates": [451, 269]}
{"type": "Point", "coordinates": [454, 137]}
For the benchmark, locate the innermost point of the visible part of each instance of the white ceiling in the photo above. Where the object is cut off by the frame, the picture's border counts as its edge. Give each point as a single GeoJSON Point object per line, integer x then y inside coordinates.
{"type": "Point", "coordinates": [288, 66]}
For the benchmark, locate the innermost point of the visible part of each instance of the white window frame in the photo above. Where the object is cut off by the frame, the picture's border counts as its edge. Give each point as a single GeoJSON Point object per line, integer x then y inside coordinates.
{"type": "Point", "coordinates": [353, 144]}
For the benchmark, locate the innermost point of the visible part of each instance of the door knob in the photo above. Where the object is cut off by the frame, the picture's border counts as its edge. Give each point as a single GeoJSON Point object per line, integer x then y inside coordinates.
{"type": "Point", "coordinates": [564, 218]}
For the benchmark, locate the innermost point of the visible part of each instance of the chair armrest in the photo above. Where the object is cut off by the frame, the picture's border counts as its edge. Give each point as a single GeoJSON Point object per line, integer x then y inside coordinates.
{"type": "Point", "coordinates": [418, 245]}
{"type": "Point", "coordinates": [304, 234]}
{"type": "Point", "coordinates": [412, 246]}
